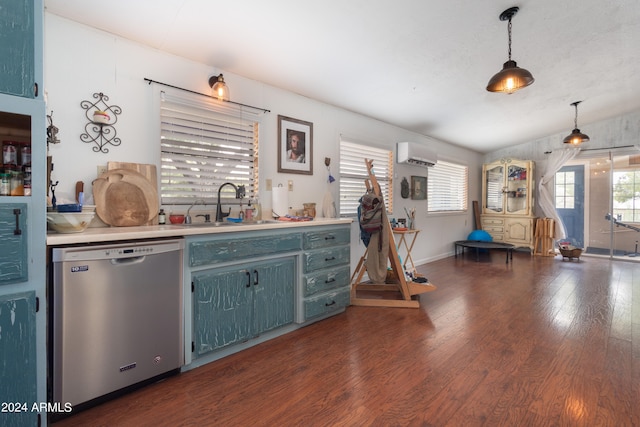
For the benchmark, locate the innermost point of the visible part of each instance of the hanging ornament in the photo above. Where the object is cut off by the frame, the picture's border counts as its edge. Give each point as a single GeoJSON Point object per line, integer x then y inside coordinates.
{"type": "Point", "coordinates": [404, 188]}
{"type": "Point", "coordinates": [327, 162]}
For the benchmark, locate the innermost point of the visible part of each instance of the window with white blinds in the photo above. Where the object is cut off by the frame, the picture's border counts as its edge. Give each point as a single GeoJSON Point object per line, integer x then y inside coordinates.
{"type": "Point", "coordinates": [447, 187]}
{"type": "Point", "coordinates": [205, 143]}
{"type": "Point", "coordinates": [353, 173]}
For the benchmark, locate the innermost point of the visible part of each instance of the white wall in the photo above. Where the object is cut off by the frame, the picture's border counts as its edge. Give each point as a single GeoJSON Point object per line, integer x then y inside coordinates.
{"type": "Point", "coordinates": [81, 61]}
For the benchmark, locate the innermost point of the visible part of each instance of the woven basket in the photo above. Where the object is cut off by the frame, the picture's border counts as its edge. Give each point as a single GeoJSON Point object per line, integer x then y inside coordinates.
{"type": "Point", "coordinates": [571, 253]}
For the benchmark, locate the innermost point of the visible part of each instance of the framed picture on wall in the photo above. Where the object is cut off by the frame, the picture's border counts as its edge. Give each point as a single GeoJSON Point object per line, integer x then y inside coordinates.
{"type": "Point", "coordinates": [418, 187]}
{"type": "Point", "coordinates": [295, 145]}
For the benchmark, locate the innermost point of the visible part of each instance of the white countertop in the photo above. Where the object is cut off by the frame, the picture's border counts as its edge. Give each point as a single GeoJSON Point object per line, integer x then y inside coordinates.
{"type": "Point", "coordinates": [107, 234]}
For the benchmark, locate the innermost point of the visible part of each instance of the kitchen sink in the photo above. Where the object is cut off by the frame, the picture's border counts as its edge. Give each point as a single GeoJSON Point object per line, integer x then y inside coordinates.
{"type": "Point", "coordinates": [229, 224]}
{"type": "Point", "coordinates": [207, 224]}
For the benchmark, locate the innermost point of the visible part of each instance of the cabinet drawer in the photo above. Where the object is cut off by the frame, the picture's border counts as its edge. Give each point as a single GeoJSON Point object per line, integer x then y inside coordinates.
{"type": "Point", "coordinates": [492, 221]}
{"type": "Point", "coordinates": [497, 236]}
{"type": "Point", "coordinates": [493, 229]}
{"type": "Point", "coordinates": [324, 239]}
{"type": "Point", "coordinates": [326, 303]}
{"type": "Point", "coordinates": [325, 258]}
{"type": "Point", "coordinates": [217, 251]}
{"type": "Point", "coordinates": [326, 280]}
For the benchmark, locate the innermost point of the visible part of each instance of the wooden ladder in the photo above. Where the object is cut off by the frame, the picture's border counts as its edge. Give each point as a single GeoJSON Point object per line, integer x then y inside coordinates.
{"type": "Point", "coordinates": [397, 294]}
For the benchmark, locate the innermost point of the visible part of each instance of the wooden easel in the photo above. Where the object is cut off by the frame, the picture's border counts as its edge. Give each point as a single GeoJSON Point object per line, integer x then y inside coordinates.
{"type": "Point", "coordinates": [406, 289]}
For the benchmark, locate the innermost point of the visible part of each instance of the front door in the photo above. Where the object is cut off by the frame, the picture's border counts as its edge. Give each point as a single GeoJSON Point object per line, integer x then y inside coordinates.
{"type": "Point", "coordinates": [569, 196]}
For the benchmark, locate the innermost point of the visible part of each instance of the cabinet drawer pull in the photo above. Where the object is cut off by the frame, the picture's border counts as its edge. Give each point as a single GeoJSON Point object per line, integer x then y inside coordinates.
{"type": "Point", "coordinates": [330, 280]}
{"type": "Point", "coordinates": [330, 238]}
{"type": "Point", "coordinates": [17, 213]}
{"type": "Point", "coordinates": [330, 258]}
{"type": "Point", "coordinates": [255, 279]}
{"type": "Point", "coordinates": [248, 279]}
{"type": "Point", "coordinates": [329, 304]}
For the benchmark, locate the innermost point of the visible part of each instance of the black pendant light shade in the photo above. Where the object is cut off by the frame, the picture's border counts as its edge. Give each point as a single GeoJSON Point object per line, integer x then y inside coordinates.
{"type": "Point", "coordinates": [511, 77]}
{"type": "Point", "coordinates": [576, 137]}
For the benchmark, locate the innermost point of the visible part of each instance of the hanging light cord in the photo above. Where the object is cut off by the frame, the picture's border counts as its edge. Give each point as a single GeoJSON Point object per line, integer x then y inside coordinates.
{"type": "Point", "coordinates": [509, 30]}
{"type": "Point", "coordinates": [575, 120]}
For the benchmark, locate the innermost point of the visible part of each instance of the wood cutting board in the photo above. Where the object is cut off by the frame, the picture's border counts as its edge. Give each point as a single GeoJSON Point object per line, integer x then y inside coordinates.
{"type": "Point", "coordinates": [125, 198]}
{"type": "Point", "coordinates": [149, 172]}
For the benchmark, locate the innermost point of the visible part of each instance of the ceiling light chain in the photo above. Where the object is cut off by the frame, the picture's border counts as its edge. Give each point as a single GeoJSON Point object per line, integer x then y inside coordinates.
{"type": "Point", "coordinates": [509, 31]}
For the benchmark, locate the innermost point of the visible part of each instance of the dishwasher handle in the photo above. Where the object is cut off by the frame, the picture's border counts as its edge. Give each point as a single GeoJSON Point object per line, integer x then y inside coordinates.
{"type": "Point", "coordinates": [127, 261]}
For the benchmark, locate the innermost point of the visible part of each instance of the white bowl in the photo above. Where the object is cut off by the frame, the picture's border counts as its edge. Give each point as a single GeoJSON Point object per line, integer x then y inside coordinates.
{"type": "Point", "coordinates": [69, 222]}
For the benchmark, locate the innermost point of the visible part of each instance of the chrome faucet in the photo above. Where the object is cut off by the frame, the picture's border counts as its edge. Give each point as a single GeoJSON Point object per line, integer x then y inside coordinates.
{"type": "Point", "coordinates": [239, 195]}
{"type": "Point", "coordinates": [187, 217]}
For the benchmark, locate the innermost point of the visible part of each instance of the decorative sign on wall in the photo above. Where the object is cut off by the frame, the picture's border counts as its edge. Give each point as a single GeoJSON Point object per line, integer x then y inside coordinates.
{"type": "Point", "coordinates": [102, 118]}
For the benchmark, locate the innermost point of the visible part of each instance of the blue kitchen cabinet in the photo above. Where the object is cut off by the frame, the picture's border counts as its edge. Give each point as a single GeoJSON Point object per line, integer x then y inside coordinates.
{"type": "Point", "coordinates": [18, 370]}
{"type": "Point", "coordinates": [18, 45]}
{"type": "Point", "coordinates": [326, 271]}
{"type": "Point", "coordinates": [237, 303]}
{"type": "Point", "coordinates": [13, 243]}
{"type": "Point", "coordinates": [23, 346]}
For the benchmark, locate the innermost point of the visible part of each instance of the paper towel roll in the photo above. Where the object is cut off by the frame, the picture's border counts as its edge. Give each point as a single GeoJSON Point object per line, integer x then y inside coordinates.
{"type": "Point", "coordinates": [280, 201]}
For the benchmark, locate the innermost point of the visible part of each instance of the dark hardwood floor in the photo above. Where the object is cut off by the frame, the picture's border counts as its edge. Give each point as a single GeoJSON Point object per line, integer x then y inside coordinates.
{"type": "Point", "coordinates": [539, 342]}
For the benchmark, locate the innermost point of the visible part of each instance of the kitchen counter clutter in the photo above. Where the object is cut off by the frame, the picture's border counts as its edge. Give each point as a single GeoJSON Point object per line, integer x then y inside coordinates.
{"type": "Point", "coordinates": [106, 234]}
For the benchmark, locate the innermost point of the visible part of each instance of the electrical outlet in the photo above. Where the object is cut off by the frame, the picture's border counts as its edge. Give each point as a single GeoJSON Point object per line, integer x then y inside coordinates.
{"type": "Point", "coordinates": [268, 184]}
{"type": "Point", "coordinates": [101, 169]}
{"type": "Point", "coordinates": [290, 185]}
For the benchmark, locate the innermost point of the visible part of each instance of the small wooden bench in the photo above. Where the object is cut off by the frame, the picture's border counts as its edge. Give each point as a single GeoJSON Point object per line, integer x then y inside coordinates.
{"type": "Point", "coordinates": [477, 244]}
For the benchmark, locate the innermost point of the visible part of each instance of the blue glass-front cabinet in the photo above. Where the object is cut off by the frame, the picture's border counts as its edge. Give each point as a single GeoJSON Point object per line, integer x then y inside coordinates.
{"type": "Point", "coordinates": [23, 381]}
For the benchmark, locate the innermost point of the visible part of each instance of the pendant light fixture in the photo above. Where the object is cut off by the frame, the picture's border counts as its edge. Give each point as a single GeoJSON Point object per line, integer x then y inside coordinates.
{"type": "Point", "coordinates": [219, 88]}
{"type": "Point", "coordinates": [511, 77]}
{"type": "Point", "coordinates": [576, 137]}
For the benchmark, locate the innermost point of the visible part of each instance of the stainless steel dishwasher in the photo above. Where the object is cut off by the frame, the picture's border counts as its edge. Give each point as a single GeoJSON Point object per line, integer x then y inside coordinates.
{"type": "Point", "coordinates": [116, 315]}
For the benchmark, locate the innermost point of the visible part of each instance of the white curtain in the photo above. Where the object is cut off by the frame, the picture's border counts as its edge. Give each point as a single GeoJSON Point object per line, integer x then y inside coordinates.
{"type": "Point", "coordinates": [555, 161]}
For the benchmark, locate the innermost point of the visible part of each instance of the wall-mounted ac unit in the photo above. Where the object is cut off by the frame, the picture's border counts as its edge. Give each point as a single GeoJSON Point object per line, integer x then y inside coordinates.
{"type": "Point", "coordinates": [416, 154]}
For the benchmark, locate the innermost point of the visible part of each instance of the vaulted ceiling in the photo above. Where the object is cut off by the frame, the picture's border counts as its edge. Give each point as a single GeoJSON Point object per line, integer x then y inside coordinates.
{"type": "Point", "coordinates": [421, 65]}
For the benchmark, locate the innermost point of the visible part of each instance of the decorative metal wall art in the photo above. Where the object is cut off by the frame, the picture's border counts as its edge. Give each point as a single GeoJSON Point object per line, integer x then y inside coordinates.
{"type": "Point", "coordinates": [102, 117]}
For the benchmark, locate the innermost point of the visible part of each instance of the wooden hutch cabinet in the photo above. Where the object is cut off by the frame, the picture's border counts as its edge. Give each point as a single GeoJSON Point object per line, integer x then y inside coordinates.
{"type": "Point", "coordinates": [508, 202]}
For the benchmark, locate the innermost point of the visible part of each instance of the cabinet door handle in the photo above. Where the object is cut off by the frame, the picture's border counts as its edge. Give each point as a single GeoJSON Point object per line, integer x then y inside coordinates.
{"type": "Point", "coordinates": [330, 280]}
{"type": "Point", "coordinates": [330, 258]}
{"type": "Point", "coordinates": [35, 90]}
{"type": "Point", "coordinates": [17, 213]}
{"type": "Point", "coordinates": [255, 278]}
{"type": "Point", "coordinates": [329, 304]}
{"type": "Point", "coordinates": [248, 279]}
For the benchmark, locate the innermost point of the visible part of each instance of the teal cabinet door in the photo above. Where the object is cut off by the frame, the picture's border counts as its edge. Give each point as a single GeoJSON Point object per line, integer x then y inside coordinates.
{"type": "Point", "coordinates": [13, 243]}
{"type": "Point", "coordinates": [273, 302]}
{"type": "Point", "coordinates": [235, 304]}
{"type": "Point", "coordinates": [18, 369]}
{"type": "Point", "coordinates": [222, 308]}
{"type": "Point", "coordinates": [17, 48]}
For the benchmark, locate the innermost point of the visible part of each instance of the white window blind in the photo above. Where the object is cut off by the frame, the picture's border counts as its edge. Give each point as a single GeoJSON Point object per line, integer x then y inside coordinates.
{"type": "Point", "coordinates": [353, 173]}
{"type": "Point", "coordinates": [447, 186]}
{"type": "Point", "coordinates": [205, 143]}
